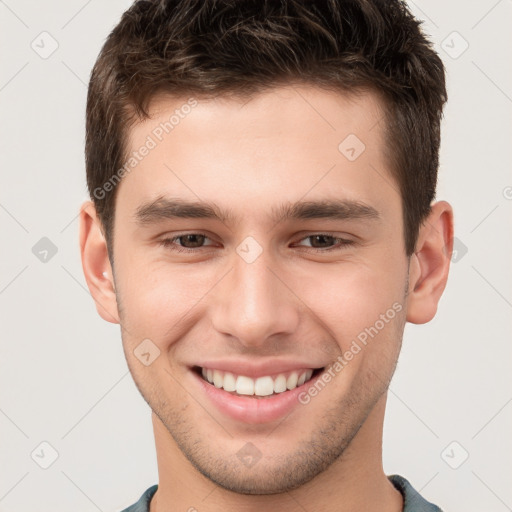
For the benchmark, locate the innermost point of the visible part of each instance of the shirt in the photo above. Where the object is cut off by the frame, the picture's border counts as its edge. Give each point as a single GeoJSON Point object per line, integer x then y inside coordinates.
{"type": "Point", "coordinates": [413, 501]}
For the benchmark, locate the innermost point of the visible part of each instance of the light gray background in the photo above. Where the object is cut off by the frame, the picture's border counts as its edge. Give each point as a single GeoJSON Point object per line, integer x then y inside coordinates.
{"type": "Point", "coordinates": [64, 379]}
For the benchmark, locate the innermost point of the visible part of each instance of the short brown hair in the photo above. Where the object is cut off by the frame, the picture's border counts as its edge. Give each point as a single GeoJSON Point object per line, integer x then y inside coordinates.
{"type": "Point", "coordinates": [210, 48]}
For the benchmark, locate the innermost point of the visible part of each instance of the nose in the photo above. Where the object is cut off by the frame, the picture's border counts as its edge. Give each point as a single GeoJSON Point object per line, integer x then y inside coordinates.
{"type": "Point", "coordinates": [254, 303]}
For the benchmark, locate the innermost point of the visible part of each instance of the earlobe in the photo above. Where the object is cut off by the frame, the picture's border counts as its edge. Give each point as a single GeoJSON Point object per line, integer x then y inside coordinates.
{"type": "Point", "coordinates": [96, 265]}
{"type": "Point", "coordinates": [430, 264]}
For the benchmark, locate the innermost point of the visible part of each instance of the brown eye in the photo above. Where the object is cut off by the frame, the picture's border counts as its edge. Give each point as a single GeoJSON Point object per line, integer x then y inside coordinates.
{"type": "Point", "coordinates": [320, 241]}
{"type": "Point", "coordinates": [325, 242]}
{"type": "Point", "coordinates": [187, 242]}
{"type": "Point", "coordinates": [191, 241]}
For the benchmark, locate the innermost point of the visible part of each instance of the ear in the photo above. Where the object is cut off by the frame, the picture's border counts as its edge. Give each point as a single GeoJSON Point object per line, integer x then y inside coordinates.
{"type": "Point", "coordinates": [96, 265]}
{"type": "Point", "coordinates": [429, 265]}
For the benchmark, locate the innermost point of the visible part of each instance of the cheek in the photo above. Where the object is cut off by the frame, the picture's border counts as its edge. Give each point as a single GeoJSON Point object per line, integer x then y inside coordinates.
{"type": "Point", "coordinates": [159, 299]}
{"type": "Point", "coordinates": [362, 309]}
{"type": "Point", "coordinates": [351, 297]}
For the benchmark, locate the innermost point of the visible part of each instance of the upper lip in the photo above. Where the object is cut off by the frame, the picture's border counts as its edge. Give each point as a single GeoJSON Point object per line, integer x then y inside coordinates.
{"type": "Point", "coordinates": [257, 369]}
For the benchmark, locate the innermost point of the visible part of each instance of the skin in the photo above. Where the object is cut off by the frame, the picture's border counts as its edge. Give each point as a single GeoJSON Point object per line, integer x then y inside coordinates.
{"type": "Point", "coordinates": [291, 302]}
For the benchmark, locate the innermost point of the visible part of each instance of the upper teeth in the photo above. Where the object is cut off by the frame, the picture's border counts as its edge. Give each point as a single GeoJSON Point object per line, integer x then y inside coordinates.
{"type": "Point", "coordinates": [262, 386]}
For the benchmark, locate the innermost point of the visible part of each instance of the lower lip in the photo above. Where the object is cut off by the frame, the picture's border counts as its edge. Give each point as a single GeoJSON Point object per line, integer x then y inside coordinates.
{"type": "Point", "coordinates": [254, 410]}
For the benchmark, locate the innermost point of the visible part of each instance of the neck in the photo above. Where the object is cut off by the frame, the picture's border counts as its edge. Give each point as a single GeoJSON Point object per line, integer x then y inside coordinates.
{"type": "Point", "coordinates": [356, 481]}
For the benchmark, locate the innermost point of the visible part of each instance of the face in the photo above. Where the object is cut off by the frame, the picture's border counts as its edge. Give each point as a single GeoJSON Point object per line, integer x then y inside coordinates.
{"type": "Point", "coordinates": [294, 260]}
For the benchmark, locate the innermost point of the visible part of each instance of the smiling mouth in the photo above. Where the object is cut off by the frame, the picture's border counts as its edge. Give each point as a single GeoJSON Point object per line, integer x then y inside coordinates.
{"type": "Point", "coordinates": [262, 387]}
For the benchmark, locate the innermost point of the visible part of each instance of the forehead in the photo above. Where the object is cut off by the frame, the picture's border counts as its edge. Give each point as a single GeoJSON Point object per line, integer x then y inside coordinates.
{"type": "Point", "coordinates": [272, 110]}
{"type": "Point", "coordinates": [288, 143]}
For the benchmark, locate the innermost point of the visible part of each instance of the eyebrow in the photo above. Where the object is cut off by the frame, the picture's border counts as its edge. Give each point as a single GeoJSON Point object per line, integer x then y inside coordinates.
{"type": "Point", "coordinates": [164, 208]}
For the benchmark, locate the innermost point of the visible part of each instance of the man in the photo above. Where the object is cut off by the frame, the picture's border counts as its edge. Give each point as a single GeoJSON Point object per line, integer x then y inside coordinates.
{"type": "Point", "coordinates": [262, 226]}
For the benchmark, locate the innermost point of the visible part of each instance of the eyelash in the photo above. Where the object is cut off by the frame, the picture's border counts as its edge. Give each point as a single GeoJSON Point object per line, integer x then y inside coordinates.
{"type": "Point", "coordinates": [170, 243]}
